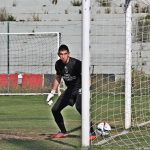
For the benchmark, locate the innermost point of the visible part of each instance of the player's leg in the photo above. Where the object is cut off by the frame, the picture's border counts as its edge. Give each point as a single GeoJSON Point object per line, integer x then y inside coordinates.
{"type": "Point", "coordinates": [79, 109]}
{"type": "Point", "coordinates": [78, 105]}
{"type": "Point", "coordinates": [60, 104]}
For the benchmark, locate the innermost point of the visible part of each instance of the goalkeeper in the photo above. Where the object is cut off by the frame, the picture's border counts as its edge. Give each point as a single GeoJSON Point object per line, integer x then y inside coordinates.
{"type": "Point", "coordinates": [69, 69]}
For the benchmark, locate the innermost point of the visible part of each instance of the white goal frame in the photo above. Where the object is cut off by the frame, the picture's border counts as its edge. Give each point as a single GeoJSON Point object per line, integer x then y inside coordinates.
{"type": "Point", "coordinates": [128, 59]}
{"type": "Point", "coordinates": [58, 34]}
{"type": "Point", "coordinates": [86, 71]}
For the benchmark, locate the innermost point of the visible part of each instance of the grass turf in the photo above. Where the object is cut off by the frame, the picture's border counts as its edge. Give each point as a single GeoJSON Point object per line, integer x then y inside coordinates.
{"type": "Point", "coordinates": [26, 122]}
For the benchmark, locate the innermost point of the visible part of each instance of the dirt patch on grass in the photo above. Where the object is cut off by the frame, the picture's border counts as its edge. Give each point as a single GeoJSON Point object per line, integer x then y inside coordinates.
{"type": "Point", "coordinates": [4, 136]}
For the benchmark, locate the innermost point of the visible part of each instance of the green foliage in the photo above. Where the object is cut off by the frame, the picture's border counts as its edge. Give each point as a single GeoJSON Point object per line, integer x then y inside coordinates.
{"type": "Point", "coordinates": [140, 83]}
{"type": "Point", "coordinates": [11, 18]}
{"type": "Point", "coordinates": [4, 16]}
{"type": "Point", "coordinates": [140, 9]}
{"type": "Point", "coordinates": [36, 17]}
{"type": "Point", "coordinates": [145, 9]}
{"type": "Point", "coordinates": [14, 3]}
{"type": "Point", "coordinates": [107, 10]}
{"type": "Point", "coordinates": [143, 34]}
{"type": "Point", "coordinates": [147, 17]}
{"type": "Point", "coordinates": [76, 3]}
{"type": "Point", "coordinates": [136, 8]}
{"type": "Point", "coordinates": [106, 84]}
{"type": "Point", "coordinates": [104, 3]}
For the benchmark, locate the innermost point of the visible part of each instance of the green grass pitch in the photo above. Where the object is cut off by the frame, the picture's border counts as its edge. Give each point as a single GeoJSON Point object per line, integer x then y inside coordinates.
{"type": "Point", "coordinates": [27, 121]}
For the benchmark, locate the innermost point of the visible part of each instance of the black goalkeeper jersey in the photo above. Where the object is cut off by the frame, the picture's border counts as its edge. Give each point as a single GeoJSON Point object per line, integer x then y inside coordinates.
{"type": "Point", "coordinates": [71, 72]}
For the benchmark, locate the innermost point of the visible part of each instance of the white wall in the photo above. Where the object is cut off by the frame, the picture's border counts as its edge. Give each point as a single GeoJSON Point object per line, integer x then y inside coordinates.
{"type": "Point", "coordinates": [107, 30]}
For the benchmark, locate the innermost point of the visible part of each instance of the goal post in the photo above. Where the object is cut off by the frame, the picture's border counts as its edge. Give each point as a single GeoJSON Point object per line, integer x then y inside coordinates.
{"type": "Point", "coordinates": [120, 77]}
{"type": "Point", "coordinates": [86, 71]}
{"type": "Point", "coordinates": [27, 62]}
{"type": "Point", "coordinates": [128, 21]}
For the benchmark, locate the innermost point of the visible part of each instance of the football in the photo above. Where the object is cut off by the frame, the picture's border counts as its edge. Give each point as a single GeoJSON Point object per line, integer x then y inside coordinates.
{"type": "Point", "coordinates": [103, 129]}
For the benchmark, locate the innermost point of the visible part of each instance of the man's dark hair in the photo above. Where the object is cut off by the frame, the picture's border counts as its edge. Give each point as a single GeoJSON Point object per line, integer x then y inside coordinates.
{"type": "Point", "coordinates": [62, 48]}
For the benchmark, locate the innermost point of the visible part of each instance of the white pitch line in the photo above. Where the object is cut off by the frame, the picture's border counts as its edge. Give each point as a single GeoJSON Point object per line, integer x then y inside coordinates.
{"type": "Point", "coordinates": [112, 137]}
{"type": "Point", "coordinates": [143, 124]}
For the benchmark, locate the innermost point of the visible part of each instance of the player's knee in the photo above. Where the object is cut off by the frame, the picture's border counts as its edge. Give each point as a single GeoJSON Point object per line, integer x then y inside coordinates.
{"type": "Point", "coordinates": [54, 110]}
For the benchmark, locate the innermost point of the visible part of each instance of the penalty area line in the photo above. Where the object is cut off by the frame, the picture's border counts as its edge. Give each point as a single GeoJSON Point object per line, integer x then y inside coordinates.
{"type": "Point", "coordinates": [111, 138]}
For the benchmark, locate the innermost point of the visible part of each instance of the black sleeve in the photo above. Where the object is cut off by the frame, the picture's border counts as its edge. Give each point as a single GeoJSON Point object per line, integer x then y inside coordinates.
{"type": "Point", "coordinates": [79, 67]}
{"type": "Point", "coordinates": [57, 69]}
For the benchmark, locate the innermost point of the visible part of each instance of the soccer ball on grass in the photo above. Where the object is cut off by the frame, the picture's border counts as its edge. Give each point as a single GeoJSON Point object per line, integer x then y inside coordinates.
{"type": "Point", "coordinates": [103, 129]}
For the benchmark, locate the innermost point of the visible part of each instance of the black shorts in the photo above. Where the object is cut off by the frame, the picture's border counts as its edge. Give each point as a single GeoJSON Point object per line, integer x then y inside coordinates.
{"type": "Point", "coordinates": [70, 97]}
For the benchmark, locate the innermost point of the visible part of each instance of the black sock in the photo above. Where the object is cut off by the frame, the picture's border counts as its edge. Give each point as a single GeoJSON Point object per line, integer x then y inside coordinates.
{"type": "Point", "coordinates": [62, 127]}
{"type": "Point", "coordinates": [92, 129]}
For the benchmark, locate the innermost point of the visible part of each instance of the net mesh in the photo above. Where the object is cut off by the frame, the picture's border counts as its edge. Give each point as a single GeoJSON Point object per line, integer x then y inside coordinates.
{"type": "Point", "coordinates": [27, 57]}
{"type": "Point", "coordinates": [108, 56]}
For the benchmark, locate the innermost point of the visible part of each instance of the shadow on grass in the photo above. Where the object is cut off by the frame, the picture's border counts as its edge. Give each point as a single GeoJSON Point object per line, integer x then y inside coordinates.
{"type": "Point", "coordinates": [70, 131]}
{"type": "Point", "coordinates": [64, 143]}
{"type": "Point", "coordinates": [24, 145]}
{"type": "Point", "coordinates": [75, 129]}
{"type": "Point", "coordinates": [48, 137]}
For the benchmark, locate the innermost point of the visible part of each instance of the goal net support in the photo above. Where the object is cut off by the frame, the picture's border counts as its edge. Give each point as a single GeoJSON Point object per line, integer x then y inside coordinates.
{"type": "Point", "coordinates": [119, 72]}
{"type": "Point", "coordinates": [27, 62]}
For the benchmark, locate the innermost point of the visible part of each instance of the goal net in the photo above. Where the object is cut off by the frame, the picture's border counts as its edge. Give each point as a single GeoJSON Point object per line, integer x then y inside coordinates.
{"type": "Point", "coordinates": [27, 62]}
{"type": "Point", "coordinates": [110, 39]}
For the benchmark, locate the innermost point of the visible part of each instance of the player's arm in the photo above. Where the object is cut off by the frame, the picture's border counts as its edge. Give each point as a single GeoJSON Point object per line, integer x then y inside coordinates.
{"type": "Point", "coordinates": [55, 86]}
{"type": "Point", "coordinates": [56, 83]}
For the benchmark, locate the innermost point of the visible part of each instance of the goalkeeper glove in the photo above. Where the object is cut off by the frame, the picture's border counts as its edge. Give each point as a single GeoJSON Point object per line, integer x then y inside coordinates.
{"type": "Point", "coordinates": [49, 97]}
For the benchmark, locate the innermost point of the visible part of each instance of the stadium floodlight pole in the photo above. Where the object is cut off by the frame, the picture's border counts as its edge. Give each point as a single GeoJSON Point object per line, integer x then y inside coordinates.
{"type": "Point", "coordinates": [128, 74]}
{"type": "Point", "coordinates": [85, 73]}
